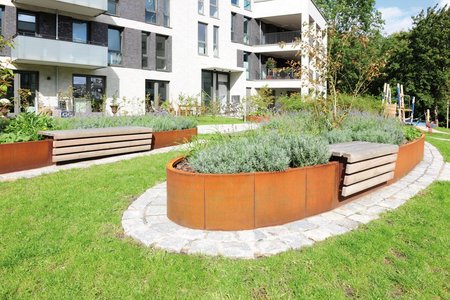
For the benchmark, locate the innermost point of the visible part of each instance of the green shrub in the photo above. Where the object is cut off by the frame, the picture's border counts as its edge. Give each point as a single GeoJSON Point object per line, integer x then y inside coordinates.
{"type": "Point", "coordinates": [411, 133]}
{"type": "Point", "coordinates": [25, 128]}
{"type": "Point", "coordinates": [337, 136]}
{"type": "Point", "coordinates": [360, 103]}
{"type": "Point", "coordinates": [299, 123]}
{"type": "Point", "coordinates": [157, 123]}
{"type": "Point", "coordinates": [3, 123]}
{"type": "Point", "coordinates": [260, 151]}
{"type": "Point", "coordinates": [294, 103]}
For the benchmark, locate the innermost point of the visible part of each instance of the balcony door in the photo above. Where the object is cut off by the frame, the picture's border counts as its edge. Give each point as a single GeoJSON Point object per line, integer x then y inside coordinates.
{"type": "Point", "coordinates": [23, 91]}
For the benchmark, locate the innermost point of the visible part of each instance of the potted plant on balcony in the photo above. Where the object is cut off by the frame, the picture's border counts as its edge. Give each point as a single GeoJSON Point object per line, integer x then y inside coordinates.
{"type": "Point", "coordinates": [4, 107]}
{"type": "Point", "coordinates": [271, 64]}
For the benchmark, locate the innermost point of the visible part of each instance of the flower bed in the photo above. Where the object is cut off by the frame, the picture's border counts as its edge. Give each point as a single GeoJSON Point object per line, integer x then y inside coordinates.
{"type": "Point", "coordinates": [249, 200]}
{"type": "Point", "coordinates": [172, 138]}
{"type": "Point", "coordinates": [409, 155]}
{"type": "Point", "coordinates": [25, 155]}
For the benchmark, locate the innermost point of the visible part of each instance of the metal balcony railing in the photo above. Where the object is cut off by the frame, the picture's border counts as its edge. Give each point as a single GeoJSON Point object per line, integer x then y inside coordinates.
{"type": "Point", "coordinates": [277, 37]}
{"type": "Point", "coordinates": [278, 75]}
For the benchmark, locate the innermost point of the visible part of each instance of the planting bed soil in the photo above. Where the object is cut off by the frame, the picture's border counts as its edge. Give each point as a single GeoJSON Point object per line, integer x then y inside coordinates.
{"type": "Point", "coordinates": [172, 138]}
{"type": "Point", "coordinates": [253, 200]}
{"type": "Point", "coordinates": [25, 155]}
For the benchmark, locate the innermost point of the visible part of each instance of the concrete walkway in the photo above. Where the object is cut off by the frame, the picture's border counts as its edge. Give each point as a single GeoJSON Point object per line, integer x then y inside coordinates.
{"type": "Point", "coordinates": [202, 129]}
{"type": "Point", "coordinates": [146, 220]}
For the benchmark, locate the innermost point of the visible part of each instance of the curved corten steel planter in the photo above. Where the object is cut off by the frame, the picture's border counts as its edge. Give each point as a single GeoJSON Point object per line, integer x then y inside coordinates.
{"type": "Point", "coordinates": [172, 138]}
{"type": "Point", "coordinates": [409, 155]}
{"type": "Point", "coordinates": [249, 200]}
{"type": "Point", "coordinates": [254, 200]}
{"type": "Point", "coordinates": [258, 119]}
{"type": "Point", "coordinates": [24, 156]}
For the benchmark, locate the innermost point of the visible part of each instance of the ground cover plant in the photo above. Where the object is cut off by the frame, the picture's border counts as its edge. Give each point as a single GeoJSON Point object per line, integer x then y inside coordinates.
{"type": "Point", "coordinates": [25, 128]}
{"type": "Point", "coordinates": [61, 238]}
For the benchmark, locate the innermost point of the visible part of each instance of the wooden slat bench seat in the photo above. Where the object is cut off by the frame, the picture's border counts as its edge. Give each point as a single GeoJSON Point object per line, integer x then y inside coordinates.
{"type": "Point", "coordinates": [366, 165]}
{"type": "Point", "coordinates": [97, 142]}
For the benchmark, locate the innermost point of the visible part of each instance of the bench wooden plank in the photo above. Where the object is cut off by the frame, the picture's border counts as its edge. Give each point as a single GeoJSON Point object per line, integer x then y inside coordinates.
{"type": "Point", "coordinates": [368, 153]}
{"type": "Point", "coordinates": [368, 164]}
{"type": "Point", "coordinates": [340, 149]}
{"type": "Point", "coordinates": [94, 132]}
{"type": "Point", "coordinates": [77, 156]}
{"type": "Point", "coordinates": [370, 173]}
{"type": "Point", "coordinates": [108, 139]}
{"type": "Point", "coordinates": [364, 185]}
{"type": "Point", "coordinates": [96, 147]}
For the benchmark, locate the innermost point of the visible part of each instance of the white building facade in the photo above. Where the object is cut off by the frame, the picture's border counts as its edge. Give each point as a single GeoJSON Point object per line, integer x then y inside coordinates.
{"type": "Point", "coordinates": [76, 55]}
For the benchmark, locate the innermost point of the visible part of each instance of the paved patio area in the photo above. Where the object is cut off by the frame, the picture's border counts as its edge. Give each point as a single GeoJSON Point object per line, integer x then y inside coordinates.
{"type": "Point", "coordinates": [146, 221]}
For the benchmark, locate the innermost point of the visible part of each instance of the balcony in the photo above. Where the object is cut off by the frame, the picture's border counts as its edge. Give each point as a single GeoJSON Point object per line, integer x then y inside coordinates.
{"type": "Point", "coordinates": [278, 37]}
{"type": "Point", "coordinates": [42, 51]}
{"type": "Point", "coordinates": [90, 8]}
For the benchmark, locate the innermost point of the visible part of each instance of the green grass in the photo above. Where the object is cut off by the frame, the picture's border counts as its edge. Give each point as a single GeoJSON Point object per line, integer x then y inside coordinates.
{"type": "Point", "coordinates": [443, 146]}
{"type": "Point", "coordinates": [443, 129]}
{"type": "Point", "coordinates": [211, 120]}
{"type": "Point", "coordinates": [61, 238]}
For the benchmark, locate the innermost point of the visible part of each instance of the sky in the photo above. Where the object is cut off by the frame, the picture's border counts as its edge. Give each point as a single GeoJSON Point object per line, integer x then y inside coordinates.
{"type": "Point", "coordinates": [397, 13]}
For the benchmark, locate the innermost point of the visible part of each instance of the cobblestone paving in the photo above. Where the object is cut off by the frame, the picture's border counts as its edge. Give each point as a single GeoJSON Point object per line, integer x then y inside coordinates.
{"type": "Point", "coordinates": [146, 221]}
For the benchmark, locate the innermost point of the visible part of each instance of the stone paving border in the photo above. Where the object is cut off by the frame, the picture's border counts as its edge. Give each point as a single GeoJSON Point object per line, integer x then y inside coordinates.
{"type": "Point", "coordinates": [202, 129]}
{"type": "Point", "coordinates": [146, 220]}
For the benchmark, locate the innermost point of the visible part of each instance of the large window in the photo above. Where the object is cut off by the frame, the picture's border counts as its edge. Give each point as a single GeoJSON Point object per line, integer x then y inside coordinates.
{"type": "Point", "coordinates": [248, 4]}
{"type": "Point", "coordinates": [235, 2]}
{"type": "Point", "coordinates": [114, 46]}
{"type": "Point", "coordinates": [246, 31]}
{"type": "Point", "coordinates": [214, 8]}
{"type": "Point", "coordinates": [161, 52]}
{"type": "Point", "coordinates": [2, 11]}
{"type": "Point", "coordinates": [112, 7]}
{"type": "Point", "coordinates": [80, 31]}
{"type": "Point", "coordinates": [202, 39]}
{"type": "Point", "coordinates": [216, 41]}
{"type": "Point", "coordinates": [26, 23]}
{"type": "Point", "coordinates": [167, 13]}
{"type": "Point", "coordinates": [145, 36]}
{"type": "Point", "coordinates": [201, 7]}
{"type": "Point", "coordinates": [246, 65]}
{"type": "Point", "coordinates": [88, 93]}
{"type": "Point", "coordinates": [156, 93]}
{"type": "Point", "coordinates": [150, 11]}
{"type": "Point", "coordinates": [233, 21]}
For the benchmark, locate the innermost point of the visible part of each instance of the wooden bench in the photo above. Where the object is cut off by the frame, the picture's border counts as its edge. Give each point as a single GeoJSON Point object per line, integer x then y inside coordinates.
{"type": "Point", "coordinates": [366, 165]}
{"type": "Point", "coordinates": [89, 143]}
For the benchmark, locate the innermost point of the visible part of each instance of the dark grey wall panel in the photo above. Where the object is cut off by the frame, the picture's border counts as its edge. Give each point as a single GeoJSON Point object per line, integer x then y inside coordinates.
{"type": "Point", "coordinates": [65, 28]}
{"type": "Point", "coordinates": [152, 51]}
{"type": "Point", "coordinates": [239, 29]}
{"type": "Point", "coordinates": [255, 33]}
{"type": "Point", "coordinates": [131, 48]}
{"type": "Point", "coordinates": [9, 27]}
{"type": "Point", "coordinates": [99, 33]}
{"type": "Point", "coordinates": [240, 59]}
{"type": "Point", "coordinates": [47, 25]}
{"type": "Point", "coordinates": [132, 10]}
{"type": "Point", "coordinates": [254, 66]}
{"type": "Point", "coordinates": [169, 54]}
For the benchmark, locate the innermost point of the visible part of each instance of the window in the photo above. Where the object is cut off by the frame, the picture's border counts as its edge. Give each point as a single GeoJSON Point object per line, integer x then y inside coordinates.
{"type": "Point", "coordinates": [167, 13]}
{"type": "Point", "coordinates": [2, 10]}
{"type": "Point", "coordinates": [247, 65]}
{"type": "Point", "coordinates": [214, 8]}
{"type": "Point", "coordinates": [26, 23]}
{"type": "Point", "coordinates": [150, 11]}
{"type": "Point", "coordinates": [144, 60]}
{"type": "Point", "coordinates": [248, 4]}
{"type": "Point", "coordinates": [207, 87]}
{"type": "Point", "coordinates": [161, 52]}
{"type": "Point", "coordinates": [112, 7]}
{"type": "Point", "coordinates": [202, 39]}
{"type": "Point", "coordinates": [88, 93]}
{"type": "Point", "coordinates": [235, 2]}
{"type": "Point", "coordinates": [80, 32]}
{"type": "Point", "coordinates": [201, 7]}
{"type": "Point", "coordinates": [246, 31]}
{"type": "Point", "coordinates": [233, 22]}
{"type": "Point", "coordinates": [114, 46]}
{"type": "Point", "coordinates": [156, 93]}
{"type": "Point", "coordinates": [216, 41]}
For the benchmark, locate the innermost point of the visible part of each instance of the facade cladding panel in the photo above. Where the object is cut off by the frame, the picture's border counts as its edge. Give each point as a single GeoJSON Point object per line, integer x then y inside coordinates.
{"type": "Point", "coordinates": [183, 66]}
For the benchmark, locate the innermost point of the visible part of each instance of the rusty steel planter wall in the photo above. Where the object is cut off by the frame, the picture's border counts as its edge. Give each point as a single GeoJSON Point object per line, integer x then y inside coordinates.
{"type": "Point", "coordinates": [24, 156]}
{"type": "Point", "coordinates": [249, 200]}
{"type": "Point", "coordinates": [172, 138]}
{"type": "Point", "coordinates": [254, 200]}
{"type": "Point", "coordinates": [409, 155]}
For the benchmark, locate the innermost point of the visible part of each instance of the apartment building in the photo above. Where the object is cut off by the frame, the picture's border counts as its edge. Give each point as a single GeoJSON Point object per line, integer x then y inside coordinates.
{"type": "Point", "coordinates": [73, 55]}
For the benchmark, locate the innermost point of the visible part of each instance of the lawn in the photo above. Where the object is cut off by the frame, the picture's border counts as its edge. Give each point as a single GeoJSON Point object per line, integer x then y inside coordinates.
{"type": "Point", "coordinates": [61, 238]}
{"type": "Point", "coordinates": [436, 140]}
{"type": "Point", "coordinates": [212, 120]}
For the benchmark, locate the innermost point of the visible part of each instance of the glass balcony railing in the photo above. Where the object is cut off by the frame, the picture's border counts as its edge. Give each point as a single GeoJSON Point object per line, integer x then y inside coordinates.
{"type": "Point", "coordinates": [278, 37]}
{"type": "Point", "coordinates": [114, 58]}
{"type": "Point", "coordinates": [48, 51]}
{"type": "Point", "coordinates": [81, 7]}
{"type": "Point", "coordinates": [278, 74]}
